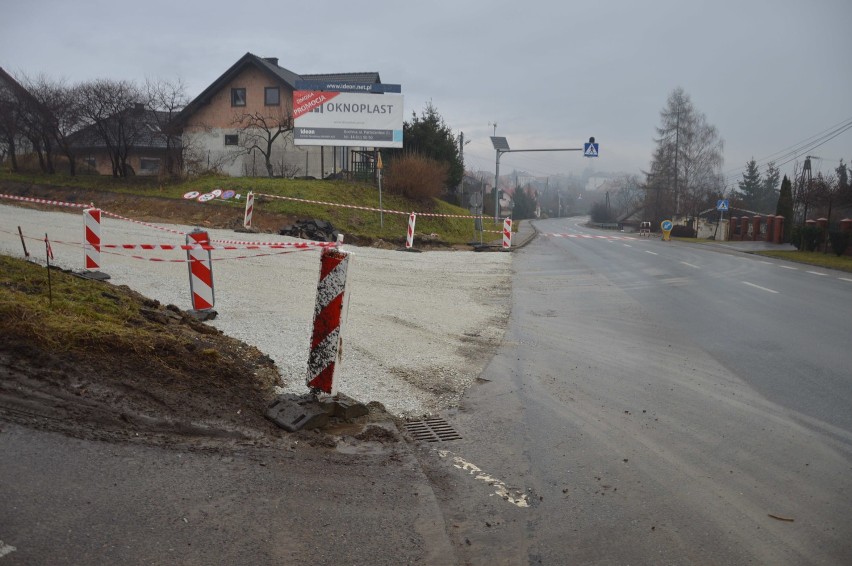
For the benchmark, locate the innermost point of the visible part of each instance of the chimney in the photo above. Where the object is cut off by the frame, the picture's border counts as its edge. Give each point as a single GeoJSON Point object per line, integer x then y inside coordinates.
{"type": "Point", "coordinates": [273, 60]}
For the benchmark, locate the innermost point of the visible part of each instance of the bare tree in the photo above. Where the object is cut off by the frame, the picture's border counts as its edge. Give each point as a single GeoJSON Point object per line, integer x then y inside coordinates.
{"type": "Point", "coordinates": [61, 114]}
{"type": "Point", "coordinates": [30, 120]}
{"type": "Point", "coordinates": [685, 171]}
{"type": "Point", "coordinates": [629, 194]}
{"type": "Point", "coordinates": [112, 110]}
{"type": "Point", "coordinates": [167, 98]}
{"type": "Point", "coordinates": [258, 133]}
{"type": "Point", "coordinates": [9, 120]}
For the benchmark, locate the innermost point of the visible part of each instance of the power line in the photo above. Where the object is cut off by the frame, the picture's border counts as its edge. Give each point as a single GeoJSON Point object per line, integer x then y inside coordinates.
{"type": "Point", "coordinates": [795, 151]}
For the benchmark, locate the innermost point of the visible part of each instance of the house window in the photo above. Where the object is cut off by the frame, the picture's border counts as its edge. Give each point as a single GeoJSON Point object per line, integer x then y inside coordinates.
{"type": "Point", "coordinates": [149, 165]}
{"type": "Point", "coordinates": [90, 162]}
{"type": "Point", "coordinates": [272, 96]}
{"type": "Point", "coordinates": [238, 97]}
{"type": "Point", "coordinates": [232, 139]}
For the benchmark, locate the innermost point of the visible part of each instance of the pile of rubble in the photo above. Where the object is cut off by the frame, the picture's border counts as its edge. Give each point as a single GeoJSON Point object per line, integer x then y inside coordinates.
{"type": "Point", "coordinates": [316, 230]}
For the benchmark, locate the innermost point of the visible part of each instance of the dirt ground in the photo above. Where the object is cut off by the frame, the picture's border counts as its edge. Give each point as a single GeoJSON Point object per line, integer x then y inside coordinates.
{"type": "Point", "coordinates": [212, 397]}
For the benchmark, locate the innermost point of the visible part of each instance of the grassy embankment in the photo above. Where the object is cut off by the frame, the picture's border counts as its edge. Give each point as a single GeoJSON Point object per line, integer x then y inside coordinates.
{"type": "Point", "coordinates": [353, 222]}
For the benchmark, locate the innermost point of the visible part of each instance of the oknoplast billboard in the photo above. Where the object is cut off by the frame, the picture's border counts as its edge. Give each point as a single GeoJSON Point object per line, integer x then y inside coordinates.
{"type": "Point", "coordinates": [347, 118]}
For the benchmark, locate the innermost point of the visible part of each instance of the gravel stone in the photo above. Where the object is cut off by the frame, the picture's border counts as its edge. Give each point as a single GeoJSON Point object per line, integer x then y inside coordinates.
{"type": "Point", "coordinates": [420, 327]}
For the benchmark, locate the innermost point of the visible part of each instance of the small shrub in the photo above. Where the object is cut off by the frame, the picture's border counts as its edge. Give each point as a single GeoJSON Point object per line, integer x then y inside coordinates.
{"type": "Point", "coordinates": [810, 238]}
{"type": "Point", "coordinates": [679, 231]}
{"type": "Point", "coordinates": [415, 177]}
{"type": "Point", "coordinates": [839, 242]}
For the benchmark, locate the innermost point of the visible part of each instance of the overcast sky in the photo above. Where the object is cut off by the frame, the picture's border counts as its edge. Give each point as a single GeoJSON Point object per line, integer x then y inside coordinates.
{"type": "Point", "coordinates": [769, 75]}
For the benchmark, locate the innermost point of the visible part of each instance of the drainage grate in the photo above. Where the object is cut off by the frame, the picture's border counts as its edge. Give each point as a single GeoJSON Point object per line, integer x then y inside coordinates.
{"type": "Point", "coordinates": [434, 429]}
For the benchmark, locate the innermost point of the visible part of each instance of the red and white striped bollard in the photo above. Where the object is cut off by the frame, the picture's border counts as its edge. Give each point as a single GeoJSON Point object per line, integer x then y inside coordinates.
{"type": "Point", "coordinates": [92, 238]}
{"type": "Point", "coordinates": [329, 318]}
{"type": "Point", "coordinates": [200, 271]}
{"type": "Point", "coordinates": [409, 238]}
{"type": "Point", "coordinates": [249, 209]}
{"type": "Point", "coordinates": [507, 233]}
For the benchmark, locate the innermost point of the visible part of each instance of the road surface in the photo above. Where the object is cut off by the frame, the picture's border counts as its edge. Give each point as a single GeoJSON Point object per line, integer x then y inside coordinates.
{"type": "Point", "coordinates": [656, 403]}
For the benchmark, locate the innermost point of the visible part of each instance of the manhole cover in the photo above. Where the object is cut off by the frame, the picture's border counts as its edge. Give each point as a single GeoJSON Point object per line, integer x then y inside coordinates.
{"type": "Point", "coordinates": [434, 429]}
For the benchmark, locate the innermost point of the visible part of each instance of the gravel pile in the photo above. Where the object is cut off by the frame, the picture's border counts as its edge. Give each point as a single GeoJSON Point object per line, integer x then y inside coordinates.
{"type": "Point", "coordinates": [421, 326]}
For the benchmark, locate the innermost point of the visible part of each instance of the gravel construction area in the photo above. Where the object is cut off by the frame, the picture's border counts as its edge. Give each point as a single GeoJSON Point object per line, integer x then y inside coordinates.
{"type": "Point", "coordinates": [421, 326]}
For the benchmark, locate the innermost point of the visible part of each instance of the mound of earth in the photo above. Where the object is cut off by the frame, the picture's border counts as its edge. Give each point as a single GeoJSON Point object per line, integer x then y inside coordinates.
{"type": "Point", "coordinates": [212, 386]}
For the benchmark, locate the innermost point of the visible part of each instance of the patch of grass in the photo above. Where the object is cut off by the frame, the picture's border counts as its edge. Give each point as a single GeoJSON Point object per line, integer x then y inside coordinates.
{"type": "Point", "coordinates": [83, 315]}
{"type": "Point", "coordinates": [349, 221]}
{"type": "Point", "coordinates": [818, 259]}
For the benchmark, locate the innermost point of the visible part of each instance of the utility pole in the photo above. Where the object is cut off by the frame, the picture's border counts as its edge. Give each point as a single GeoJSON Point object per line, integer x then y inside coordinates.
{"type": "Point", "coordinates": [460, 188]}
{"type": "Point", "coordinates": [677, 151]}
{"type": "Point", "coordinates": [806, 197]}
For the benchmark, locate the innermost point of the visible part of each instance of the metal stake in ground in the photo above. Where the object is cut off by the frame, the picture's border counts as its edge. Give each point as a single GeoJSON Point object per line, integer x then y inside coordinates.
{"type": "Point", "coordinates": [48, 252]}
{"type": "Point", "coordinates": [24, 244]}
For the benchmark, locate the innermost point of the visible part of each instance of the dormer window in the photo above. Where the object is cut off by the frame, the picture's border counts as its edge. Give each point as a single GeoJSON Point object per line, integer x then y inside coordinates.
{"type": "Point", "coordinates": [238, 97]}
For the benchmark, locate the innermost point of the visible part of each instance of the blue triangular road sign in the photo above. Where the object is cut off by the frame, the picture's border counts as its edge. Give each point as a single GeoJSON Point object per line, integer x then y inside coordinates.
{"type": "Point", "coordinates": [590, 150]}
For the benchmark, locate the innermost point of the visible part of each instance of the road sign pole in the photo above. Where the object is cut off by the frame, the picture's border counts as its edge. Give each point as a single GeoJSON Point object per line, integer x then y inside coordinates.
{"type": "Point", "coordinates": [379, 174]}
{"type": "Point", "coordinates": [496, 187]}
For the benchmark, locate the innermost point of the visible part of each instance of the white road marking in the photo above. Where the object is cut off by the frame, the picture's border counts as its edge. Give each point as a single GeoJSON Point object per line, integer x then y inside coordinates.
{"type": "Point", "coordinates": [650, 252]}
{"type": "Point", "coordinates": [766, 262]}
{"type": "Point", "coordinates": [690, 265]}
{"type": "Point", "coordinates": [789, 267]}
{"type": "Point", "coordinates": [816, 273]}
{"type": "Point", "coordinates": [759, 287]}
{"type": "Point", "coordinates": [627, 246]}
{"type": "Point", "coordinates": [512, 495]}
{"type": "Point", "coordinates": [845, 279]}
{"type": "Point", "coordinates": [6, 549]}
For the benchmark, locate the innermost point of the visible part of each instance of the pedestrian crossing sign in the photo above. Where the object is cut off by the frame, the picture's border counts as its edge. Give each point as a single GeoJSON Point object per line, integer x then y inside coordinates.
{"type": "Point", "coordinates": [590, 150]}
{"type": "Point", "coordinates": [722, 205]}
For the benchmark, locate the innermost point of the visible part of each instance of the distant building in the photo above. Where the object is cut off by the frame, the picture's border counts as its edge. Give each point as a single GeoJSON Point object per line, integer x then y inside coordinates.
{"type": "Point", "coordinates": [214, 136]}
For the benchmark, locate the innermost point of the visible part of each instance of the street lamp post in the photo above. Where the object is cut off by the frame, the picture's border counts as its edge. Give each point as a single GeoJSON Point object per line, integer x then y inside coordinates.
{"type": "Point", "coordinates": [501, 146]}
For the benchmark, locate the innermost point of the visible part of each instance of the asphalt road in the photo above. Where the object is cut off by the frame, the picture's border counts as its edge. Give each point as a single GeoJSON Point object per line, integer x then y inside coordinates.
{"type": "Point", "coordinates": [656, 403]}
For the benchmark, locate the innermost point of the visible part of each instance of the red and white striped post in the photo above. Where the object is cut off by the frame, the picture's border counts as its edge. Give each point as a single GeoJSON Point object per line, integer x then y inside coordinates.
{"type": "Point", "coordinates": [249, 209]}
{"type": "Point", "coordinates": [329, 318]}
{"type": "Point", "coordinates": [92, 239]}
{"type": "Point", "coordinates": [409, 238]}
{"type": "Point", "coordinates": [507, 233]}
{"type": "Point", "coordinates": [200, 271]}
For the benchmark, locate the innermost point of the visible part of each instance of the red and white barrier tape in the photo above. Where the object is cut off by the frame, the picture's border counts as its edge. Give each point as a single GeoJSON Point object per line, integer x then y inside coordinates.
{"type": "Point", "coordinates": [44, 201]}
{"type": "Point", "coordinates": [371, 209]}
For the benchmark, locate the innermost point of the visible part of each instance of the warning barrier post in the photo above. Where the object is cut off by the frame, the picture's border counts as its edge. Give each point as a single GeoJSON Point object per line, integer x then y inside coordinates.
{"type": "Point", "coordinates": [249, 209]}
{"type": "Point", "coordinates": [200, 274]}
{"type": "Point", "coordinates": [507, 234]}
{"type": "Point", "coordinates": [92, 244]}
{"type": "Point", "coordinates": [330, 312]}
{"type": "Point", "coordinates": [409, 238]}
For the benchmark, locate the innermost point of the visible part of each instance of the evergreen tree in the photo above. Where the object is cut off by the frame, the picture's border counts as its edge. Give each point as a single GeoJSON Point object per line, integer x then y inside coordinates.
{"type": "Point", "coordinates": [524, 204]}
{"type": "Point", "coordinates": [844, 185]}
{"type": "Point", "coordinates": [785, 206]}
{"type": "Point", "coordinates": [842, 176]}
{"type": "Point", "coordinates": [769, 196]}
{"type": "Point", "coordinates": [429, 136]}
{"type": "Point", "coordinates": [751, 187]}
